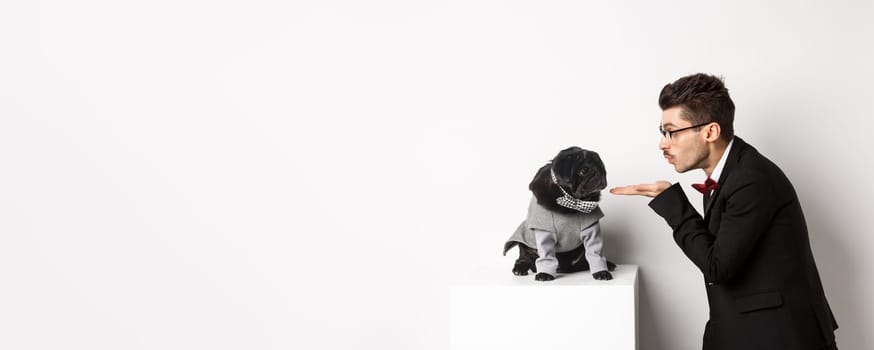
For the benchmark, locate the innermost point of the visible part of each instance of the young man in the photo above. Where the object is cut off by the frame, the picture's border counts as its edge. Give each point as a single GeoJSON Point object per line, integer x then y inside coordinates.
{"type": "Point", "coordinates": [752, 245]}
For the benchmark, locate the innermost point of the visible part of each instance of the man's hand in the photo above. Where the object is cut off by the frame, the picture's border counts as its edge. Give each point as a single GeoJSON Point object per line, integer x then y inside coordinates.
{"type": "Point", "coordinates": [649, 190]}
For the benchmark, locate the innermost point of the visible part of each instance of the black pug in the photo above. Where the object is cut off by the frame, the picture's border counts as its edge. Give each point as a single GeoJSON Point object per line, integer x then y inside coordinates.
{"type": "Point", "coordinates": [562, 232]}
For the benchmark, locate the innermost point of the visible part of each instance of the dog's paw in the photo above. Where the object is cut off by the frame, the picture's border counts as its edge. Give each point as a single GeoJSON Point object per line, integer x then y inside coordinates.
{"type": "Point", "coordinates": [544, 277]}
{"type": "Point", "coordinates": [602, 275]}
{"type": "Point", "coordinates": [520, 270]}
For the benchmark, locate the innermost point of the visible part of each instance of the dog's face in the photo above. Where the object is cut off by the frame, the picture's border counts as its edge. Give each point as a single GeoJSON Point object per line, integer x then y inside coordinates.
{"type": "Point", "coordinates": [580, 170]}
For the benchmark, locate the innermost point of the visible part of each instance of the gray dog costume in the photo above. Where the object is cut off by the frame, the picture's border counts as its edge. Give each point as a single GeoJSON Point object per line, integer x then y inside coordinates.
{"type": "Point", "coordinates": [550, 232]}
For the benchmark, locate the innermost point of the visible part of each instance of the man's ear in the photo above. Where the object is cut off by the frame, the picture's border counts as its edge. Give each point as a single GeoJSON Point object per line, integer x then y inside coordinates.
{"type": "Point", "coordinates": [713, 132]}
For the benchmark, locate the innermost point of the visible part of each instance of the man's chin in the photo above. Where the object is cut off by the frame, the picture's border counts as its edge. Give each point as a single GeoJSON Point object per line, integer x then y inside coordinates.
{"type": "Point", "coordinates": [680, 169]}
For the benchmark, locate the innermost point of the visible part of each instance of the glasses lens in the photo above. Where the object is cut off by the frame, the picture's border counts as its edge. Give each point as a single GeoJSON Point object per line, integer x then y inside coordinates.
{"type": "Point", "coordinates": [664, 133]}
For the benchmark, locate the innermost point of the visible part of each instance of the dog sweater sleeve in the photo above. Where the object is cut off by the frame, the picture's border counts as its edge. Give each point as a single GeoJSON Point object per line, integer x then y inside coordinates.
{"type": "Point", "coordinates": [591, 237]}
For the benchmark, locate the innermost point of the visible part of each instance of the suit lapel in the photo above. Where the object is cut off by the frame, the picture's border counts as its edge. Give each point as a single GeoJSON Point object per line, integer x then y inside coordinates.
{"type": "Point", "coordinates": [730, 164]}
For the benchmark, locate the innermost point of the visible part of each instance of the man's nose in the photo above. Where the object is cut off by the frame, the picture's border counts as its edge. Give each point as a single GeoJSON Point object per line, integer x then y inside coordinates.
{"type": "Point", "coordinates": [664, 144]}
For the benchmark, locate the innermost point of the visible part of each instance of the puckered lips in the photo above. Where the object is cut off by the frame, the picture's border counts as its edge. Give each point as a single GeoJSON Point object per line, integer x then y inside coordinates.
{"type": "Point", "coordinates": [669, 157]}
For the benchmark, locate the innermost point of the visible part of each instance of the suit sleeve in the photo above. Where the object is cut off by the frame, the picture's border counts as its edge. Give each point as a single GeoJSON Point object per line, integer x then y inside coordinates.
{"type": "Point", "coordinates": [748, 213]}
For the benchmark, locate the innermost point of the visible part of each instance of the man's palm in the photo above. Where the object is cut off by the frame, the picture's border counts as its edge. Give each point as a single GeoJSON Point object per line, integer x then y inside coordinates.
{"type": "Point", "coordinates": [649, 190]}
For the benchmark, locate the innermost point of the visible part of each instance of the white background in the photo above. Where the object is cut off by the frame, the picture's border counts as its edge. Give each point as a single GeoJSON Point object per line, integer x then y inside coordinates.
{"type": "Point", "coordinates": [286, 175]}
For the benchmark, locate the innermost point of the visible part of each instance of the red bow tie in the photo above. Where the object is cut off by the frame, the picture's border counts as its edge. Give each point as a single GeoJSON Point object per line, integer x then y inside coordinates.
{"type": "Point", "coordinates": [707, 186]}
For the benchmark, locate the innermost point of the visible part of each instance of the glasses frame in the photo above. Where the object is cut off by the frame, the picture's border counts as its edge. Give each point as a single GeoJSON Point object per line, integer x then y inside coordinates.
{"type": "Point", "coordinates": [669, 135]}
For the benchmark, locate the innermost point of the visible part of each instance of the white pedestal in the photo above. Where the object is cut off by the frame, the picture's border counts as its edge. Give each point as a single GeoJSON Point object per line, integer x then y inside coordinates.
{"type": "Point", "coordinates": [574, 311]}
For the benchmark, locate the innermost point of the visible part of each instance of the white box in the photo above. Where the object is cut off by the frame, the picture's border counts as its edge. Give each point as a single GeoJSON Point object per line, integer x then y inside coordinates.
{"type": "Point", "coordinates": [574, 311]}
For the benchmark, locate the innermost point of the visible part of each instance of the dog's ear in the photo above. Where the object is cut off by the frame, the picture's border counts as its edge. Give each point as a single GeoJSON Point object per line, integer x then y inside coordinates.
{"type": "Point", "coordinates": [541, 179]}
{"type": "Point", "coordinates": [570, 150]}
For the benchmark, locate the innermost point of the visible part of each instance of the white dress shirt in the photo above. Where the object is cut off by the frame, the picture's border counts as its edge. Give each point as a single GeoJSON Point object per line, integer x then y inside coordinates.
{"type": "Point", "coordinates": [717, 171]}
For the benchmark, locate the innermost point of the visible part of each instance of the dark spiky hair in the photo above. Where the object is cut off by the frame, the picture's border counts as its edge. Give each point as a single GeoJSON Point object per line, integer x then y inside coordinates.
{"type": "Point", "coordinates": [703, 98]}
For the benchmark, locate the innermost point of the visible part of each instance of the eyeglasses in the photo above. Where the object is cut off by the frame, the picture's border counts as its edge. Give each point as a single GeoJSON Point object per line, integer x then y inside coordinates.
{"type": "Point", "coordinates": [670, 134]}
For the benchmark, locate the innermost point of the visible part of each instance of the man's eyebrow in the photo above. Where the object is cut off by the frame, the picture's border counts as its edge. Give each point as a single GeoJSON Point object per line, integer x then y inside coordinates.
{"type": "Point", "coordinates": [668, 124]}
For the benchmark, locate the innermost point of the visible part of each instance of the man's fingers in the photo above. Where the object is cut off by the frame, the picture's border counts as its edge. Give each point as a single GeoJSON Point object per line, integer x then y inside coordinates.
{"type": "Point", "coordinates": [649, 190]}
{"type": "Point", "coordinates": [623, 190]}
{"type": "Point", "coordinates": [638, 190]}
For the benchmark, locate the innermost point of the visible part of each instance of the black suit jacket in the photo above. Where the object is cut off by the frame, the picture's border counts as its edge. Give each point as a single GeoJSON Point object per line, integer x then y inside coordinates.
{"type": "Point", "coordinates": [753, 248]}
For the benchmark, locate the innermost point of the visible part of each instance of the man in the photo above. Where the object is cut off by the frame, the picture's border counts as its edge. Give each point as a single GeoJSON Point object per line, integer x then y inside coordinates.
{"type": "Point", "coordinates": [752, 245]}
